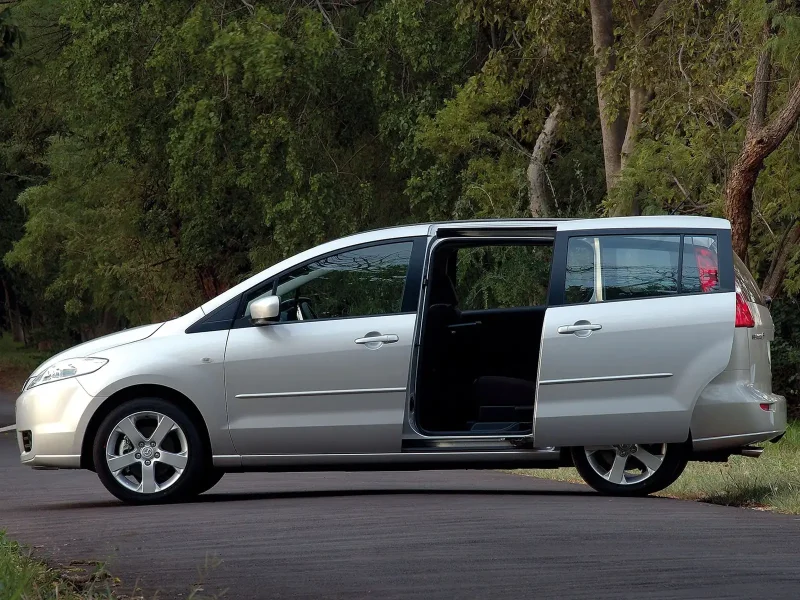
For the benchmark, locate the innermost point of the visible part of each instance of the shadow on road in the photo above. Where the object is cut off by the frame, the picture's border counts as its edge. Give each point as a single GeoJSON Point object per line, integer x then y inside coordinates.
{"type": "Point", "coordinates": [300, 494]}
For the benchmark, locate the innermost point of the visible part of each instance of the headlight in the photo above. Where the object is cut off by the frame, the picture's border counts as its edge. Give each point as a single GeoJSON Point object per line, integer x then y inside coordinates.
{"type": "Point", "coordinates": [65, 369]}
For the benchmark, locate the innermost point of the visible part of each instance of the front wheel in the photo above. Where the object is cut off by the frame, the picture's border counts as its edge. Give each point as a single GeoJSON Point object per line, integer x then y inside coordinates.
{"type": "Point", "coordinates": [630, 469]}
{"type": "Point", "coordinates": [148, 450]}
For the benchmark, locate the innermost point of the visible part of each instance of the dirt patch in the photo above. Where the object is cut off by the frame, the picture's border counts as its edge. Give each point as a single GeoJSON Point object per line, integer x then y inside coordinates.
{"type": "Point", "coordinates": [12, 378]}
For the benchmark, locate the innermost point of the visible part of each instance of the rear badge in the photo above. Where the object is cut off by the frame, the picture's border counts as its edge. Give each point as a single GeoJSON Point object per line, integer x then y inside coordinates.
{"type": "Point", "coordinates": [758, 336]}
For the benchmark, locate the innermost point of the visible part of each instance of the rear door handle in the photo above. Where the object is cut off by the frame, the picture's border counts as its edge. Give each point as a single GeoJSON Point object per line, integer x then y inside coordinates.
{"type": "Point", "coordinates": [579, 327]}
{"type": "Point", "coordinates": [389, 338]}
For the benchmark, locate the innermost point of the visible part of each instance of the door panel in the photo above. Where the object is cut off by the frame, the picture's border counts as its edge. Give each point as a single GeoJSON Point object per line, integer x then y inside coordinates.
{"type": "Point", "coordinates": [308, 387]}
{"type": "Point", "coordinates": [635, 380]}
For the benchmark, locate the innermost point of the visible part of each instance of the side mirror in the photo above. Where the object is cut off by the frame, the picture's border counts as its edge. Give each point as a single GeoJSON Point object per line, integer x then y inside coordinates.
{"type": "Point", "coordinates": [265, 310]}
{"type": "Point", "coordinates": [768, 301]}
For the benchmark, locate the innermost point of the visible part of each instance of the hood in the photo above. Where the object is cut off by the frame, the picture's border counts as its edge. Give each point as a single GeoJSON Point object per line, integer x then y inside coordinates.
{"type": "Point", "coordinates": [92, 347]}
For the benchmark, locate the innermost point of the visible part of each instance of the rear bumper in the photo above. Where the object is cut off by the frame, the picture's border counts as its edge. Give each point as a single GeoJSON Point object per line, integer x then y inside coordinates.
{"type": "Point", "coordinates": [729, 415]}
{"type": "Point", "coordinates": [55, 416]}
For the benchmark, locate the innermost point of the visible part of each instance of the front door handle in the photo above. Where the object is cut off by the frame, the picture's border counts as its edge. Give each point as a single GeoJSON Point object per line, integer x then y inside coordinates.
{"type": "Point", "coordinates": [580, 327]}
{"type": "Point", "coordinates": [376, 340]}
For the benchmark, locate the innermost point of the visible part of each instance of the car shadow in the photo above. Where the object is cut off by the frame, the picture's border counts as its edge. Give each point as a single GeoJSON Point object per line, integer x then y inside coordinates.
{"type": "Point", "coordinates": [213, 497]}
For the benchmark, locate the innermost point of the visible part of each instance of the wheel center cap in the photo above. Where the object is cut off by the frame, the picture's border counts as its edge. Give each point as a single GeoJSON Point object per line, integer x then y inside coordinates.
{"type": "Point", "coordinates": [147, 452]}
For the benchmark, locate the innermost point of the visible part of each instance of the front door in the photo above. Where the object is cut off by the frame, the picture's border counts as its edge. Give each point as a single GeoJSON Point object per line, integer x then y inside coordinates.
{"type": "Point", "coordinates": [639, 323]}
{"type": "Point", "coordinates": [330, 376]}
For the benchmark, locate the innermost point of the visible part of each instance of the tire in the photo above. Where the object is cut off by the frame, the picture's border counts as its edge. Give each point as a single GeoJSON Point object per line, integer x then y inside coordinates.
{"type": "Point", "coordinates": [674, 458]}
{"type": "Point", "coordinates": [166, 470]}
{"type": "Point", "coordinates": [210, 478]}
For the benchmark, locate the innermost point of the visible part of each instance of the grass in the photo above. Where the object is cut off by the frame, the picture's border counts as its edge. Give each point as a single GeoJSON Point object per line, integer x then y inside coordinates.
{"type": "Point", "coordinates": [771, 481]}
{"type": "Point", "coordinates": [16, 363]}
{"type": "Point", "coordinates": [23, 578]}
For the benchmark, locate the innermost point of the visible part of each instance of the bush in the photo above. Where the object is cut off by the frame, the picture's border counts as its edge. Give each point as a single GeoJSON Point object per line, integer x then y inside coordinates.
{"type": "Point", "coordinates": [786, 352]}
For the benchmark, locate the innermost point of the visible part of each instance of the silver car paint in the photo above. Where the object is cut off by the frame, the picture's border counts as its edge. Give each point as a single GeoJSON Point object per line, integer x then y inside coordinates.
{"type": "Point", "coordinates": [193, 364]}
{"type": "Point", "coordinates": [98, 345]}
{"type": "Point", "coordinates": [306, 387]}
{"type": "Point", "coordinates": [729, 411]}
{"type": "Point", "coordinates": [665, 351]}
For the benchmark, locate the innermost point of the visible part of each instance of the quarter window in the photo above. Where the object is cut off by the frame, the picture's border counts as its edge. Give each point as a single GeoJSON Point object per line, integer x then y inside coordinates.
{"type": "Point", "coordinates": [356, 283]}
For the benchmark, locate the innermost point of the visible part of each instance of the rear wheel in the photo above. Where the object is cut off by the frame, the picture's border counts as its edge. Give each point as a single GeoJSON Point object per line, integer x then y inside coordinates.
{"type": "Point", "coordinates": [630, 469]}
{"type": "Point", "coordinates": [148, 450]}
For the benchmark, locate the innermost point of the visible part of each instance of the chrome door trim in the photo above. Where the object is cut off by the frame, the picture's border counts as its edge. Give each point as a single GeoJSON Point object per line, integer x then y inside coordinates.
{"type": "Point", "coordinates": [598, 271]}
{"type": "Point", "coordinates": [321, 393]}
{"type": "Point", "coordinates": [608, 378]}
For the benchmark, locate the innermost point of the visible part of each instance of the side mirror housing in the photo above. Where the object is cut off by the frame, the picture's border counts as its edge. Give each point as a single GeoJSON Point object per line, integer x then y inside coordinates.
{"type": "Point", "coordinates": [265, 310]}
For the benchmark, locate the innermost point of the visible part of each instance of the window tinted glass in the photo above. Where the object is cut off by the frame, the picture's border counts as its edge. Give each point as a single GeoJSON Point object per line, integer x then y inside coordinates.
{"type": "Point", "coordinates": [700, 264]}
{"type": "Point", "coordinates": [580, 276]}
{"type": "Point", "coordinates": [745, 282]}
{"type": "Point", "coordinates": [502, 276]}
{"type": "Point", "coordinates": [631, 266]}
{"type": "Point", "coordinates": [639, 266]}
{"type": "Point", "coordinates": [363, 282]}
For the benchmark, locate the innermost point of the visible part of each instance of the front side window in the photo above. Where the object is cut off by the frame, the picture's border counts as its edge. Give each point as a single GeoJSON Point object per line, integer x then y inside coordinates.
{"type": "Point", "coordinates": [624, 267]}
{"type": "Point", "coordinates": [356, 283]}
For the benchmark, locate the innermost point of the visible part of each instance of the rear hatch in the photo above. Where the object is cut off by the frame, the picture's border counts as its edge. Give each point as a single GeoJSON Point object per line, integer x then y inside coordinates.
{"type": "Point", "coordinates": [759, 325]}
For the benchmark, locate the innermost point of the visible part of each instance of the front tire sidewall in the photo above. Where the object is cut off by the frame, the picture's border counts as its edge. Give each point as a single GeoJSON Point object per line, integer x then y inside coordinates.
{"type": "Point", "coordinates": [195, 466]}
{"type": "Point", "coordinates": [674, 463]}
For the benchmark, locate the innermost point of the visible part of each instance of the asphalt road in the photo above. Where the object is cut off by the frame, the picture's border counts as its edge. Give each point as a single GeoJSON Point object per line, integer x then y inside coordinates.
{"type": "Point", "coordinates": [456, 534]}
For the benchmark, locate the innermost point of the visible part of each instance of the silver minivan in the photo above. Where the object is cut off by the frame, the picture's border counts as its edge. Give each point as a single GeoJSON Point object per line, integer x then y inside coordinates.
{"type": "Point", "coordinates": [623, 346]}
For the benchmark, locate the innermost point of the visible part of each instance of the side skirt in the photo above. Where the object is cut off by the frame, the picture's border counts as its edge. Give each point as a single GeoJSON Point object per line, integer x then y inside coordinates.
{"type": "Point", "coordinates": [399, 461]}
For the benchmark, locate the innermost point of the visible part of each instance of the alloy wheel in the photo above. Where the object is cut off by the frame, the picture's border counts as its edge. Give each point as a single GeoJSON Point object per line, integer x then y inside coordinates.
{"type": "Point", "coordinates": [626, 464]}
{"type": "Point", "coordinates": [147, 452]}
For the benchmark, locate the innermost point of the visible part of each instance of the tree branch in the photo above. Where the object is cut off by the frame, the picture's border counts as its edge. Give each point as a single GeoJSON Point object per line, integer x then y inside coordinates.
{"type": "Point", "coordinates": [539, 199]}
{"type": "Point", "coordinates": [780, 261]}
{"type": "Point", "coordinates": [758, 106]}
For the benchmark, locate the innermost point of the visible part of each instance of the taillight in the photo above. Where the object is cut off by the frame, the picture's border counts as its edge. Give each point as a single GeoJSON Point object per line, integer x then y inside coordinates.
{"type": "Point", "coordinates": [744, 318]}
{"type": "Point", "coordinates": [707, 269]}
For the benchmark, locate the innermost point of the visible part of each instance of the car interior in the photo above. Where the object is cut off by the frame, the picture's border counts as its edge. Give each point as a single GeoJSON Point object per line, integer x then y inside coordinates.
{"type": "Point", "coordinates": [481, 337]}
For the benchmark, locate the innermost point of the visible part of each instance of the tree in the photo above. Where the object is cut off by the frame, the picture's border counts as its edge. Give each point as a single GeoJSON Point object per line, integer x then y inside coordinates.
{"type": "Point", "coordinates": [761, 139]}
{"type": "Point", "coordinates": [620, 119]}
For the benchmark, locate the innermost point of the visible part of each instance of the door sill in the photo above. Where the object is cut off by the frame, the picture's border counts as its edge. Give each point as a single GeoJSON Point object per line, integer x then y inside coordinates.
{"type": "Point", "coordinates": [487, 443]}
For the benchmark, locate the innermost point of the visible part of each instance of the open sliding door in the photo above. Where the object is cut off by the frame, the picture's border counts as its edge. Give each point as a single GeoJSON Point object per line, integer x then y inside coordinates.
{"type": "Point", "coordinates": [639, 322]}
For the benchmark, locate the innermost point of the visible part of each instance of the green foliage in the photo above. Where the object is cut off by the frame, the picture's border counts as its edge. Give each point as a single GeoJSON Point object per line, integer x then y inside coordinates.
{"type": "Point", "coordinates": [483, 274]}
{"type": "Point", "coordinates": [786, 350]}
{"type": "Point", "coordinates": [23, 578]}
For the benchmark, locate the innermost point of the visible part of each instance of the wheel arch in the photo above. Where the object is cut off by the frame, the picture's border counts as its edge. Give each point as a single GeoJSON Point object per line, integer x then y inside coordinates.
{"type": "Point", "coordinates": [142, 391]}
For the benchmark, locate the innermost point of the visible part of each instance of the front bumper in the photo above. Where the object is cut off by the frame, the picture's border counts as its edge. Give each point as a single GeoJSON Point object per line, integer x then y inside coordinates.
{"type": "Point", "coordinates": [56, 415]}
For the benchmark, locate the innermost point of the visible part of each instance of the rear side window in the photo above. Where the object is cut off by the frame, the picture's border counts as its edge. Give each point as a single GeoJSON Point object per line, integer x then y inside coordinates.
{"type": "Point", "coordinates": [745, 282]}
{"type": "Point", "coordinates": [626, 267]}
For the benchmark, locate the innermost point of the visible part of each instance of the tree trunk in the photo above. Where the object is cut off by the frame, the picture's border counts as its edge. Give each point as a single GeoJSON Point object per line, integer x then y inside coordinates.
{"type": "Point", "coordinates": [619, 135]}
{"type": "Point", "coordinates": [540, 200]}
{"type": "Point", "coordinates": [613, 130]}
{"type": "Point", "coordinates": [759, 143]}
{"type": "Point", "coordinates": [13, 314]}
{"type": "Point", "coordinates": [780, 262]}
